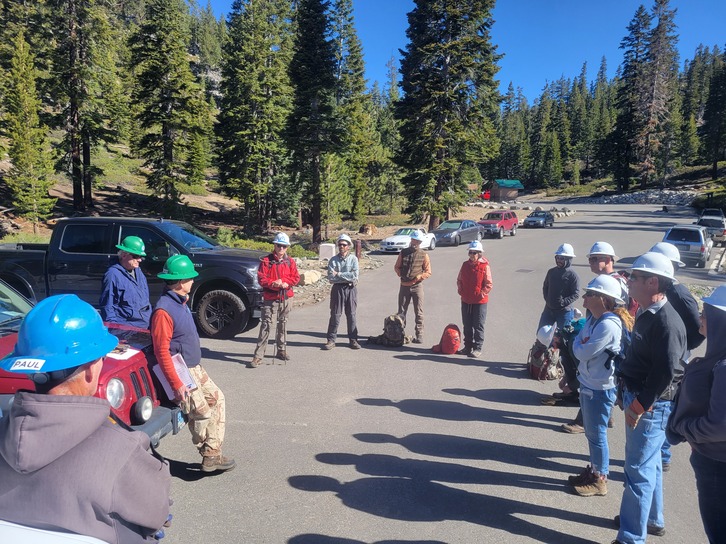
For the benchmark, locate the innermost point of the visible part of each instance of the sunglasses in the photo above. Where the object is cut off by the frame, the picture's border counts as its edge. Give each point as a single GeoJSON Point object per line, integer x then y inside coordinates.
{"type": "Point", "coordinates": [590, 294]}
{"type": "Point", "coordinates": [473, 253]}
{"type": "Point", "coordinates": [280, 245]}
{"type": "Point", "coordinates": [634, 276]}
{"type": "Point", "coordinates": [597, 259]}
{"type": "Point", "coordinates": [136, 257]}
{"type": "Point", "coordinates": [342, 244]}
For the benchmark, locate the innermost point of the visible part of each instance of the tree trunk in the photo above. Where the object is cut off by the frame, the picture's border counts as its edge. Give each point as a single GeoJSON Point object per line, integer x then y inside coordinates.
{"type": "Point", "coordinates": [87, 175]}
{"type": "Point", "coordinates": [317, 204]}
{"type": "Point", "coordinates": [73, 107]}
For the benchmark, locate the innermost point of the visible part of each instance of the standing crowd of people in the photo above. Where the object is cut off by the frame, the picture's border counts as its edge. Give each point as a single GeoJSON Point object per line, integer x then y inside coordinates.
{"type": "Point", "coordinates": [631, 350]}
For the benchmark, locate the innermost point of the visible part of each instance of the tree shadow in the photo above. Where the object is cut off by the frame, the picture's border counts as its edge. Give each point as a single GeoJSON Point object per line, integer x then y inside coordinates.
{"type": "Point", "coordinates": [323, 539]}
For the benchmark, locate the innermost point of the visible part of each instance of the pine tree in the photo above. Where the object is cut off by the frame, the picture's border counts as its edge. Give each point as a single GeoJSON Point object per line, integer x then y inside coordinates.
{"type": "Point", "coordinates": [255, 105]}
{"type": "Point", "coordinates": [448, 105]}
{"type": "Point", "coordinates": [171, 106]}
{"type": "Point", "coordinates": [29, 176]}
{"type": "Point", "coordinates": [714, 117]}
{"type": "Point", "coordinates": [603, 122]}
{"type": "Point", "coordinates": [314, 130]}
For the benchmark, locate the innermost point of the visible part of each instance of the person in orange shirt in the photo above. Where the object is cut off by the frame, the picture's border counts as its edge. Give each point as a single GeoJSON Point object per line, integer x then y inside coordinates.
{"type": "Point", "coordinates": [413, 267]}
{"type": "Point", "coordinates": [473, 285]}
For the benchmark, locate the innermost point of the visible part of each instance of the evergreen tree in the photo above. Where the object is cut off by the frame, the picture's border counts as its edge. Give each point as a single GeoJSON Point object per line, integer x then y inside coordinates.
{"type": "Point", "coordinates": [29, 176]}
{"type": "Point", "coordinates": [448, 105]}
{"type": "Point", "coordinates": [603, 121]}
{"type": "Point", "coordinates": [171, 106]}
{"type": "Point", "coordinates": [255, 105]}
{"type": "Point", "coordinates": [313, 130]}
{"type": "Point", "coordinates": [513, 160]}
{"type": "Point", "coordinates": [714, 117]}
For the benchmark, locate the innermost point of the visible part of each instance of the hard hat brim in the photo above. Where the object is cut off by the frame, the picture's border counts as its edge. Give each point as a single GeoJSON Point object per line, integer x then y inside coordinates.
{"type": "Point", "coordinates": [129, 250]}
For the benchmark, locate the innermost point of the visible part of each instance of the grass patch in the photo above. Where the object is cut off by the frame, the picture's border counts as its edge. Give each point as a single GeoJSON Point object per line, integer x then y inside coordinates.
{"type": "Point", "coordinates": [25, 238]}
{"type": "Point", "coordinates": [229, 238]}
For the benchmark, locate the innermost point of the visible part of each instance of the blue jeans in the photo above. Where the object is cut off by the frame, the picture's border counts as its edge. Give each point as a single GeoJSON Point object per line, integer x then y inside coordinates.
{"type": "Point", "coordinates": [642, 503]}
{"type": "Point", "coordinates": [596, 406]}
{"type": "Point", "coordinates": [561, 317]}
{"type": "Point", "coordinates": [711, 486]}
{"type": "Point", "coordinates": [665, 450]}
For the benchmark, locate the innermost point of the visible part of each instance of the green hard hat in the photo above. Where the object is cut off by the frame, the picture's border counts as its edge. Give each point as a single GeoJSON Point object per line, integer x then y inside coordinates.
{"type": "Point", "coordinates": [132, 244]}
{"type": "Point", "coordinates": [178, 267]}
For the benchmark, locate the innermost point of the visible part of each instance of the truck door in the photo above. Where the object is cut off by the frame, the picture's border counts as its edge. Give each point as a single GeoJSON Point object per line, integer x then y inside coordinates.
{"type": "Point", "coordinates": [79, 262]}
{"type": "Point", "coordinates": [157, 250]}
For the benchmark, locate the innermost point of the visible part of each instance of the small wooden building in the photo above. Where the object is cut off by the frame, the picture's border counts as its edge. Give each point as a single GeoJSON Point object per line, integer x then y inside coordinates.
{"type": "Point", "coordinates": [506, 189]}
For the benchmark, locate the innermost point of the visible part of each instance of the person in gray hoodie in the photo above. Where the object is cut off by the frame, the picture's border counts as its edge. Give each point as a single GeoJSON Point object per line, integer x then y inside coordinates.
{"type": "Point", "coordinates": [65, 465]}
{"type": "Point", "coordinates": [699, 417]}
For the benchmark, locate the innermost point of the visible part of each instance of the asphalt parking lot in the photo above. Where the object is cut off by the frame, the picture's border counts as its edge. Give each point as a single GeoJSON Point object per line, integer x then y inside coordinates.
{"type": "Point", "coordinates": [407, 446]}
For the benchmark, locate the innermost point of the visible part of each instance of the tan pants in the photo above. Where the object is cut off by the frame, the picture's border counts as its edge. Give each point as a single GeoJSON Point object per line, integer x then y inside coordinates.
{"type": "Point", "coordinates": [269, 307]}
{"type": "Point", "coordinates": [206, 413]}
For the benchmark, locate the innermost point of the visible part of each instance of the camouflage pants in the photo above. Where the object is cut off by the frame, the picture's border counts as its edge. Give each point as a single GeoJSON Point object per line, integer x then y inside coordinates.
{"type": "Point", "coordinates": [206, 413]}
{"type": "Point", "coordinates": [269, 308]}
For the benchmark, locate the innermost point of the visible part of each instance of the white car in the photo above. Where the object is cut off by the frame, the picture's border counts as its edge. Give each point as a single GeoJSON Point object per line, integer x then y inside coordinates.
{"type": "Point", "coordinates": [402, 239]}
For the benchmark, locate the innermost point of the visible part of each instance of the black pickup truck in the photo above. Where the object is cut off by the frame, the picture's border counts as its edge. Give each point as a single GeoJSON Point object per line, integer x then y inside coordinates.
{"type": "Point", "coordinates": [226, 297]}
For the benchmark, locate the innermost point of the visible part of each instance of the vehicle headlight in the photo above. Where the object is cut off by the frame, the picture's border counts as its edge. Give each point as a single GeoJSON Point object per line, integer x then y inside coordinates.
{"type": "Point", "coordinates": [115, 392]}
{"type": "Point", "coordinates": [142, 410]}
{"type": "Point", "coordinates": [252, 274]}
{"type": "Point", "coordinates": [447, 235]}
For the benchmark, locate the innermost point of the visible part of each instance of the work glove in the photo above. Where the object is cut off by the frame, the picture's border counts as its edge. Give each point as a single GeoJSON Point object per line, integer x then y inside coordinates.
{"type": "Point", "coordinates": [633, 413]}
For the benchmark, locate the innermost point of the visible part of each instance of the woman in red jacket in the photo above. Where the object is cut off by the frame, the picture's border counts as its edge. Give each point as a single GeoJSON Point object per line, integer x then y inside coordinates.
{"type": "Point", "coordinates": [474, 283]}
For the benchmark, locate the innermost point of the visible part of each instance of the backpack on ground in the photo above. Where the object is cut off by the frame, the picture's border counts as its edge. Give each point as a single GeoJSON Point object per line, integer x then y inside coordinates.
{"type": "Point", "coordinates": [450, 340]}
{"type": "Point", "coordinates": [543, 362]}
{"type": "Point", "coordinates": [394, 333]}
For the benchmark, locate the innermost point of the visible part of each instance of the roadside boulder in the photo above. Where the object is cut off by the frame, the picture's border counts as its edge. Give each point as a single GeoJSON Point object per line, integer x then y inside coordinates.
{"type": "Point", "coordinates": [309, 277]}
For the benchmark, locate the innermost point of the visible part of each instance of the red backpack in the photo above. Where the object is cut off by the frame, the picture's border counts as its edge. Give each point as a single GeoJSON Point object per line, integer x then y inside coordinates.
{"type": "Point", "coordinates": [450, 340]}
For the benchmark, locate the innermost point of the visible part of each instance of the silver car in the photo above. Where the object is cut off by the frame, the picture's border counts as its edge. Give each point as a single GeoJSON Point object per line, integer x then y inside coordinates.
{"type": "Point", "coordinates": [693, 242]}
{"type": "Point", "coordinates": [455, 231]}
{"type": "Point", "coordinates": [716, 226]}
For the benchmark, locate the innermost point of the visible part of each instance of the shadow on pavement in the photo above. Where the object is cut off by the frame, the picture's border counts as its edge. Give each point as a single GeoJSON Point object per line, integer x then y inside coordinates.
{"type": "Point", "coordinates": [323, 539]}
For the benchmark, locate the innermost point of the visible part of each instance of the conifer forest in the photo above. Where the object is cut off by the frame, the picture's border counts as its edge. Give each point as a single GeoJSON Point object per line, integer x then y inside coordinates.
{"type": "Point", "coordinates": [270, 102]}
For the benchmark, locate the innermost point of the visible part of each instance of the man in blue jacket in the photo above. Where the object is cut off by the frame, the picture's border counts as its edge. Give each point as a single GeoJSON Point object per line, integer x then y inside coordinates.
{"type": "Point", "coordinates": [125, 292]}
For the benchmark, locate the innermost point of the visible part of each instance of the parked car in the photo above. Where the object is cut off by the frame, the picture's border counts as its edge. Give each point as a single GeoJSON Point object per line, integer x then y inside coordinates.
{"type": "Point", "coordinates": [539, 219]}
{"type": "Point", "coordinates": [126, 379]}
{"type": "Point", "coordinates": [455, 231]}
{"type": "Point", "coordinates": [692, 241]}
{"type": "Point", "coordinates": [716, 228]}
{"type": "Point", "coordinates": [712, 211]}
{"type": "Point", "coordinates": [485, 195]}
{"type": "Point", "coordinates": [226, 298]}
{"type": "Point", "coordinates": [402, 239]}
{"type": "Point", "coordinates": [497, 223]}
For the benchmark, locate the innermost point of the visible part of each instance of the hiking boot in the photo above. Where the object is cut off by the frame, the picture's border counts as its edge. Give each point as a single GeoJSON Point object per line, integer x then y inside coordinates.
{"type": "Point", "coordinates": [214, 463]}
{"type": "Point", "coordinates": [652, 529]}
{"type": "Point", "coordinates": [354, 344]}
{"type": "Point", "coordinates": [569, 400]}
{"type": "Point", "coordinates": [282, 355]}
{"type": "Point", "coordinates": [417, 340]}
{"type": "Point", "coordinates": [475, 353]}
{"type": "Point", "coordinates": [581, 478]}
{"type": "Point", "coordinates": [329, 345]}
{"type": "Point", "coordinates": [464, 351]}
{"type": "Point", "coordinates": [595, 486]}
{"type": "Point", "coordinates": [572, 428]}
{"type": "Point", "coordinates": [254, 363]}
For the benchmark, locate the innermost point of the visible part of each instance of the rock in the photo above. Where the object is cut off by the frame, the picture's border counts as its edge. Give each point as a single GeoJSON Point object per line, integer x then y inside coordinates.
{"type": "Point", "coordinates": [368, 229]}
{"type": "Point", "coordinates": [309, 277]}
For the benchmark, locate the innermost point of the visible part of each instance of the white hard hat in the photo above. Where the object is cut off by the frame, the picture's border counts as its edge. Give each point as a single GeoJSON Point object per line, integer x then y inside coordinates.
{"type": "Point", "coordinates": [417, 235]}
{"type": "Point", "coordinates": [602, 248]}
{"type": "Point", "coordinates": [565, 250]}
{"type": "Point", "coordinates": [670, 251]}
{"type": "Point", "coordinates": [608, 286]}
{"type": "Point", "coordinates": [476, 246]}
{"type": "Point", "coordinates": [282, 239]}
{"type": "Point", "coordinates": [717, 298]}
{"type": "Point", "coordinates": [654, 263]}
{"type": "Point", "coordinates": [345, 238]}
{"type": "Point", "coordinates": [546, 333]}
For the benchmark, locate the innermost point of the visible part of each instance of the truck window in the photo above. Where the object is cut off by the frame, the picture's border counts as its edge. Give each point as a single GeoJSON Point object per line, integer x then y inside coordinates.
{"type": "Point", "coordinates": [156, 247]}
{"type": "Point", "coordinates": [82, 239]}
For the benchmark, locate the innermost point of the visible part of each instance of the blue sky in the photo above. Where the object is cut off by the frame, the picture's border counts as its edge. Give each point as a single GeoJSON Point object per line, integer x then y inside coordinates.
{"type": "Point", "coordinates": [541, 40]}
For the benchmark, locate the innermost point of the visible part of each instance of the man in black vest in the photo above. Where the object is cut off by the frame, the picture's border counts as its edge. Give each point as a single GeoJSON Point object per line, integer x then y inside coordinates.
{"type": "Point", "coordinates": [413, 267]}
{"type": "Point", "coordinates": [175, 336]}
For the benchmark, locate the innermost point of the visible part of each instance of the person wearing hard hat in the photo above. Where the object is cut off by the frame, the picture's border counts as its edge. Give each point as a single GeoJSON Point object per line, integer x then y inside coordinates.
{"type": "Point", "coordinates": [65, 465]}
{"type": "Point", "coordinates": [648, 375]}
{"type": "Point", "coordinates": [277, 275]}
{"type": "Point", "coordinates": [176, 341]}
{"type": "Point", "coordinates": [473, 284]}
{"type": "Point", "coordinates": [343, 274]}
{"type": "Point", "coordinates": [601, 259]}
{"type": "Point", "coordinates": [595, 347]}
{"type": "Point", "coordinates": [686, 307]}
{"type": "Point", "coordinates": [413, 266]}
{"type": "Point", "coordinates": [560, 289]}
{"type": "Point", "coordinates": [125, 292]}
{"type": "Point", "coordinates": [699, 417]}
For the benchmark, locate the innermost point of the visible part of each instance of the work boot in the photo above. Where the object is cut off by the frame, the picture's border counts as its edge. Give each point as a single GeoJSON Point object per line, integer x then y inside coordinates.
{"type": "Point", "coordinates": [282, 355]}
{"type": "Point", "coordinates": [666, 466]}
{"type": "Point", "coordinates": [214, 463]}
{"type": "Point", "coordinates": [581, 478]}
{"type": "Point", "coordinates": [464, 351]}
{"type": "Point", "coordinates": [254, 363]}
{"type": "Point", "coordinates": [652, 529]}
{"type": "Point", "coordinates": [417, 340]}
{"type": "Point", "coordinates": [330, 344]}
{"type": "Point", "coordinates": [574, 427]}
{"type": "Point", "coordinates": [595, 486]}
{"type": "Point", "coordinates": [611, 423]}
{"type": "Point", "coordinates": [475, 353]}
{"type": "Point", "coordinates": [354, 344]}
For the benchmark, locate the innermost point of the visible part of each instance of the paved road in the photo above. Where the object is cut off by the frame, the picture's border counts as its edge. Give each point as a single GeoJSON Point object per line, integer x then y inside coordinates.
{"type": "Point", "coordinates": [406, 446]}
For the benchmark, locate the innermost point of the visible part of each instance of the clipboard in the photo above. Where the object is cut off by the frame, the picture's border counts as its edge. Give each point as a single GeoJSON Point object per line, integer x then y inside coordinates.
{"type": "Point", "coordinates": [181, 370]}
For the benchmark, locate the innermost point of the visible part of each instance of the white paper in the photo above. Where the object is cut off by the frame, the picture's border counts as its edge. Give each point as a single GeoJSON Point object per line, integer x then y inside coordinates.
{"type": "Point", "coordinates": [181, 370]}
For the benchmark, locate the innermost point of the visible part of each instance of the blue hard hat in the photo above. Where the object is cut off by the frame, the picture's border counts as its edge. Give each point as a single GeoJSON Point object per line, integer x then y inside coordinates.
{"type": "Point", "coordinates": [59, 333]}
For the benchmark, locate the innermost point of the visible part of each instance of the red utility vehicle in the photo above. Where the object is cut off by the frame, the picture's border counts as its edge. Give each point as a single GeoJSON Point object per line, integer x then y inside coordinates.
{"type": "Point", "coordinates": [497, 223]}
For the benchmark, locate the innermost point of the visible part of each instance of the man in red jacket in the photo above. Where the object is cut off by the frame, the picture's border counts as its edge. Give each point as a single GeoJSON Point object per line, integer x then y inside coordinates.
{"type": "Point", "coordinates": [473, 284]}
{"type": "Point", "coordinates": [277, 276]}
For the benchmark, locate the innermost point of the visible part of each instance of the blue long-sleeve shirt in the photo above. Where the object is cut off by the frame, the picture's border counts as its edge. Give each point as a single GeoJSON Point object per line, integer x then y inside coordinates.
{"type": "Point", "coordinates": [346, 268]}
{"type": "Point", "coordinates": [125, 298]}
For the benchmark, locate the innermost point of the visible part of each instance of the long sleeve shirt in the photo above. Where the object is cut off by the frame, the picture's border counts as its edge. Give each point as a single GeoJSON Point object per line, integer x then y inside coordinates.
{"type": "Point", "coordinates": [425, 272]}
{"type": "Point", "coordinates": [346, 269]}
{"type": "Point", "coordinates": [474, 282]}
{"type": "Point", "coordinates": [125, 297]}
{"type": "Point", "coordinates": [589, 347]}
{"type": "Point", "coordinates": [560, 288]}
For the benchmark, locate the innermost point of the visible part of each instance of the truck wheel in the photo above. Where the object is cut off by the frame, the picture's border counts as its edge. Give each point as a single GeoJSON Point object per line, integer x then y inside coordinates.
{"type": "Point", "coordinates": [500, 234]}
{"type": "Point", "coordinates": [221, 314]}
